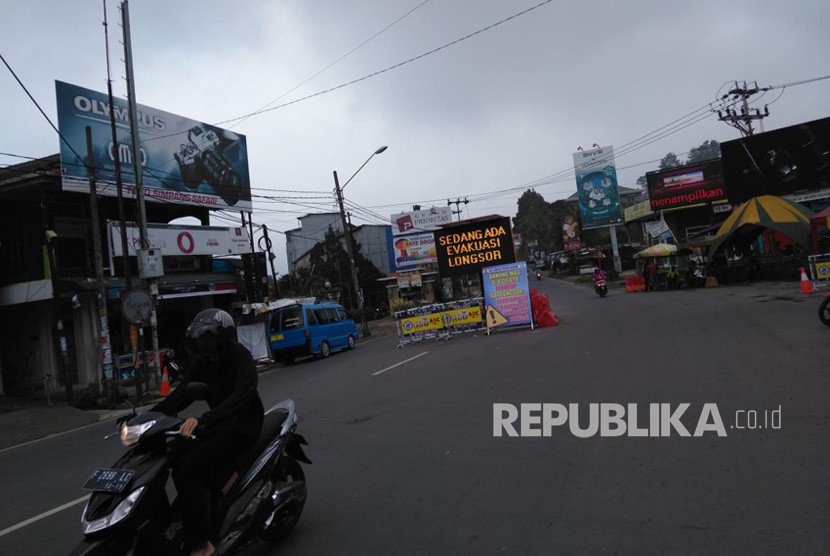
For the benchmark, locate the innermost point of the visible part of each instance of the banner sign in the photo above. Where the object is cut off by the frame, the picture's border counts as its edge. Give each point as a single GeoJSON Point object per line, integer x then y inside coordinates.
{"type": "Point", "coordinates": [469, 247]}
{"type": "Point", "coordinates": [507, 295]}
{"type": "Point", "coordinates": [173, 240]}
{"type": "Point", "coordinates": [420, 220]}
{"type": "Point", "coordinates": [414, 250]}
{"type": "Point", "coordinates": [635, 212]}
{"type": "Point", "coordinates": [439, 320]}
{"type": "Point", "coordinates": [570, 231]}
{"type": "Point", "coordinates": [183, 161]}
{"type": "Point", "coordinates": [596, 183]}
{"type": "Point", "coordinates": [686, 185]}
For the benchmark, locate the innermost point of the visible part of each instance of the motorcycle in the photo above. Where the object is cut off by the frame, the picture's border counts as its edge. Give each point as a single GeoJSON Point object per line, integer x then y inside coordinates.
{"type": "Point", "coordinates": [262, 495]}
{"type": "Point", "coordinates": [538, 274]}
{"type": "Point", "coordinates": [824, 311]}
{"type": "Point", "coordinates": [174, 371]}
{"type": "Point", "coordinates": [600, 287]}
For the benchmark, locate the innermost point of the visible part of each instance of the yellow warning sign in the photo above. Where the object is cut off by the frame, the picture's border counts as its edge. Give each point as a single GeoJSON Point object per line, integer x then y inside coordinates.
{"type": "Point", "coordinates": [494, 318]}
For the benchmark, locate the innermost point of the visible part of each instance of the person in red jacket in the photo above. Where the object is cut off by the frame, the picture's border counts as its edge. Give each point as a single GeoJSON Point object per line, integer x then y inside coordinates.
{"type": "Point", "coordinates": [231, 425]}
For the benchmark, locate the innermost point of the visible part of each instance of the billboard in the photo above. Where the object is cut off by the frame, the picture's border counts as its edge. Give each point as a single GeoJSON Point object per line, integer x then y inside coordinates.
{"type": "Point", "coordinates": [791, 161]}
{"type": "Point", "coordinates": [173, 240]}
{"type": "Point", "coordinates": [420, 220]}
{"type": "Point", "coordinates": [183, 161]}
{"type": "Point", "coordinates": [470, 246]}
{"type": "Point", "coordinates": [596, 184]}
{"type": "Point", "coordinates": [414, 250]}
{"type": "Point", "coordinates": [570, 234]}
{"type": "Point", "coordinates": [686, 185]}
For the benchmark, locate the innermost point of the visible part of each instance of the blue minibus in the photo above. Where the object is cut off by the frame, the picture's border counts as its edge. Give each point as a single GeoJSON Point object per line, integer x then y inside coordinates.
{"type": "Point", "coordinates": [309, 329]}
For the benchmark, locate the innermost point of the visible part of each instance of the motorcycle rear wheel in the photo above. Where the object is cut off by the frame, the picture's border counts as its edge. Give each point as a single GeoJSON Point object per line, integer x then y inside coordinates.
{"type": "Point", "coordinates": [282, 525]}
{"type": "Point", "coordinates": [824, 311]}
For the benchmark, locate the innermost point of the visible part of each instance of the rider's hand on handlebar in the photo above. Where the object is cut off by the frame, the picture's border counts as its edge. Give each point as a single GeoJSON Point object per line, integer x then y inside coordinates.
{"type": "Point", "coordinates": [188, 427]}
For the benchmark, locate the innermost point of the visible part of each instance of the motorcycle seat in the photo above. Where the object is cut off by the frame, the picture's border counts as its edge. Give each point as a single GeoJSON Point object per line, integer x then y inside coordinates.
{"type": "Point", "coordinates": [271, 425]}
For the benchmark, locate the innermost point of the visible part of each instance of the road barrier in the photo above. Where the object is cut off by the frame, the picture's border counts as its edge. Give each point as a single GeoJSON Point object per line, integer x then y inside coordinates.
{"type": "Point", "coordinates": [439, 320]}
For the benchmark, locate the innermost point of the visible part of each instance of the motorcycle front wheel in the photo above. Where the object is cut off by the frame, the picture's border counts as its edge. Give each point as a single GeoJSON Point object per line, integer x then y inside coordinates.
{"type": "Point", "coordinates": [824, 311]}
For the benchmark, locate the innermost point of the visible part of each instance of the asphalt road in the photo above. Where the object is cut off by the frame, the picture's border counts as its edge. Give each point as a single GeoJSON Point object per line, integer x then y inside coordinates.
{"type": "Point", "coordinates": [406, 462]}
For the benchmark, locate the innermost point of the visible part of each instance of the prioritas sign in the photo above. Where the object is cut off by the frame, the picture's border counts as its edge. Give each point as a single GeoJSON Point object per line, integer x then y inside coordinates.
{"type": "Point", "coordinates": [470, 246]}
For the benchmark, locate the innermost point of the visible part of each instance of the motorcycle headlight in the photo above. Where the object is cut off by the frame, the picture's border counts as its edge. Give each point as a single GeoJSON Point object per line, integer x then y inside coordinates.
{"type": "Point", "coordinates": [121, 511]}
{"type": "Point", "coordinates": [131, 433]}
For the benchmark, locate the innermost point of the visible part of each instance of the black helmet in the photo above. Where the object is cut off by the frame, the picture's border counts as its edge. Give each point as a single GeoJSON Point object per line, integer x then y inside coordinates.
{"type": "Point", "coordinates": [211, 332]}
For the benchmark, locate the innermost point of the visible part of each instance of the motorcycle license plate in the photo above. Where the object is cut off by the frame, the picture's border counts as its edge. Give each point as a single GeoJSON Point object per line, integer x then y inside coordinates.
{"type": "Point", "coordinates": [108, 480]}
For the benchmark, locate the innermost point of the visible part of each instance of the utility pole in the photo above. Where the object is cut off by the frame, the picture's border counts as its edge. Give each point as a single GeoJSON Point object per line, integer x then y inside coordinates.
{"type": "Point", "coordinates": [456, 203]}
{"type": "Point", "coordinates": [742, 119]}
{"type": "Point", "coordinates": [106, 368]}
{"type": "Point", "coordinates": [350, 250]}
{"type": "Point", "coordinates": [139, 189]}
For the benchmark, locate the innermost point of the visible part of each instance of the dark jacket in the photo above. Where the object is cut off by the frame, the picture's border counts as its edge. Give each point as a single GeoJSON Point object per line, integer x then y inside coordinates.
{"type": "Point", "coordinates": [235, 405]}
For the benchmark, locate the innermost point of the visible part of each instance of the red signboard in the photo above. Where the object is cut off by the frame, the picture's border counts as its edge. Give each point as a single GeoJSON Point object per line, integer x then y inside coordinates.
{"type": "Point", "coordinates": [687, 185]}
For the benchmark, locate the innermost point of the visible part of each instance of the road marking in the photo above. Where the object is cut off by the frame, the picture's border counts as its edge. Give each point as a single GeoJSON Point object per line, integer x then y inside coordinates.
{"type": "Point", "coordinates": [43, 515]}
{"type": "Point", "coordinates": [399, 364]}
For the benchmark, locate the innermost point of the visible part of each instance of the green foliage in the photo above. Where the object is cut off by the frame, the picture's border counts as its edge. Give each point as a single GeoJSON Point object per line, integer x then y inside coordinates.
{"type": "Point", "coordinates": [707, 150]}
{"type": "Point", "coordinates": [401, 304]}
{"type": "Point", "coordinates": [536, 219]}
{"type": "Point", "coordinates": [671, 160]}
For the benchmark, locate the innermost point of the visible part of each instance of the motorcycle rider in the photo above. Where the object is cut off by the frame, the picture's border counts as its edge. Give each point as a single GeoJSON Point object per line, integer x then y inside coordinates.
{"type": "Point", "coordinates": [597, 274]}
{"type": "Point", "coordinates": [230, 426]}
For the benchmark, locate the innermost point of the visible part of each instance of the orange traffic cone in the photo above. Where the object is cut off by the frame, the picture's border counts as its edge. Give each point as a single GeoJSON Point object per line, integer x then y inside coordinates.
{"type": "Point", "coordinates": [164, 389]}
{"type": "Point", "coordinates": [806, 285]}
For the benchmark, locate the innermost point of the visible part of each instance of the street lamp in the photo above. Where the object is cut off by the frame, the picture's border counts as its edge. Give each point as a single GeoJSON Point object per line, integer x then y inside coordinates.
{"type": "Point", "coordinates": [338, 190]}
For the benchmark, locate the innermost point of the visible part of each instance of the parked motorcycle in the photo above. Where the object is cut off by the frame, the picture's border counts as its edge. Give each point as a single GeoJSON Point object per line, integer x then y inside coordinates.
{"type": "Point", "coordinates": [824, 310]}
{"type": "Point", "coordinates": [174, 371]}
{"type": "Point", "coordinates": [262, 495]}
{"type": "Point", "coordinates": [600, 287]}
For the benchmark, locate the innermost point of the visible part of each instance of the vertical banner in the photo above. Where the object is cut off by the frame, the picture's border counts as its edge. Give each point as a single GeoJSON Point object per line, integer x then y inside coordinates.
{"type": "Point", "coordinates": [506, 295]}
{"type": "Point", "coordinates": [596, 183]}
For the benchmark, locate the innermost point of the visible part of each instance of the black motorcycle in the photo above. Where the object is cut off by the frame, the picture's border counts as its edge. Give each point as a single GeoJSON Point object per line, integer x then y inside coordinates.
{"type": "Point", "coordinates": [600, 287]}
{"type": "Point", "coordinates": [824, 310]}
{"type": "Point", "coordinates": [262, 495]}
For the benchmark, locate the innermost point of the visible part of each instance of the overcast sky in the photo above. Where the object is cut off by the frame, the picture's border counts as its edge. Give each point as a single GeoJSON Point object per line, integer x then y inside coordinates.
{"type": "Point", "coordinates": [501, 109]}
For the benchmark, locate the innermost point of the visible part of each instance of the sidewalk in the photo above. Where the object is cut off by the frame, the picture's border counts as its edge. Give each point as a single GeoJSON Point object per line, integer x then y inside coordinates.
{"type": "Point", "coordinates": [22, 420]}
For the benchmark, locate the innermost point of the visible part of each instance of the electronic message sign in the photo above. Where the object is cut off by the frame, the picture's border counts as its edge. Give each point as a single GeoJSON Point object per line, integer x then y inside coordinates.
{"type": "Point", "coordinates": [686, 185]}
{"type": "Point", "coordinates": [470, 246]}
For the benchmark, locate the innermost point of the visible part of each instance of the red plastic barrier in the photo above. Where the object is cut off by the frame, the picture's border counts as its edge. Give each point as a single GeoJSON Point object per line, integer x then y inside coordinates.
{"type": "Point", "coordinates": [542, 313]}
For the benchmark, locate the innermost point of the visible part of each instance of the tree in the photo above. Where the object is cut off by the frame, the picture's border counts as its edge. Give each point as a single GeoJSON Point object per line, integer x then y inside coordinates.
{"type": "Point", "coordinates": [671, 160]}
{"type": "Point", "coordinates": [535, 220]}
{"type": "Point", "coordinates": [707, 150]}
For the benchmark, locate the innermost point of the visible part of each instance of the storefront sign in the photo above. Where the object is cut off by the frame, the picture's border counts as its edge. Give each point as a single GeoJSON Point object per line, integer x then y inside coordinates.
{"type": "Point", "coordinates": [420, 220]}
{"type": "Point", "coordinates": [174, 240]}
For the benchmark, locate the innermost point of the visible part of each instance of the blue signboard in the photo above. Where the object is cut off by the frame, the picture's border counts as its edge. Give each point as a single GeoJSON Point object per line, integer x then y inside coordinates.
{"type": "Point", "coordinates": [506, 295]}
{"type": "Point", "coordinates": [183, 161]}
{"type": "Point", "coordinates": [596, 184]}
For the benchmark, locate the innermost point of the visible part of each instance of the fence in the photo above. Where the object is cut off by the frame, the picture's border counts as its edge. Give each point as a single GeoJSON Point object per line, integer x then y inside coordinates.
{"type": "Point", "coordinates": [439, 320]}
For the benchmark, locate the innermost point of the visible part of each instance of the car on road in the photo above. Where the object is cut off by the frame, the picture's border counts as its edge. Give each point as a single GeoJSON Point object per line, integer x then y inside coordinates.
{"type": "Point", "coordinates": [304, 329]}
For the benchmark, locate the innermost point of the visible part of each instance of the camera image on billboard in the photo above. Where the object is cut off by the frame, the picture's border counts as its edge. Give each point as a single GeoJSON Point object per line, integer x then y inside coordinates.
{"type": "Point", "coordinates": [781, 162]}
{"type": "Point", "coordinates": [201, 159]}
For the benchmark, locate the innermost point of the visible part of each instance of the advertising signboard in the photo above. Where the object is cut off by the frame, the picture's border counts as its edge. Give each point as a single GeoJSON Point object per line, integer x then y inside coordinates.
{"type": "Point", "coordinates": [420, 220]}
{"type": "Point", "coordinates": [790, 161]}
{"type": "Point", "coordinates": [413, 250]}
{"type": "Point", "coordinates": [686, 185]}
{"type": "Point", "coordinates": [596, 183]}
{"type": "Point", "coordinates": [183, 161]}
{"type": "Point", "coordinates": [173, 240]}
{"type": "Point", "coordinates": [469, 247]}
{"type": "Point", "coordinates": [507, 295]}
